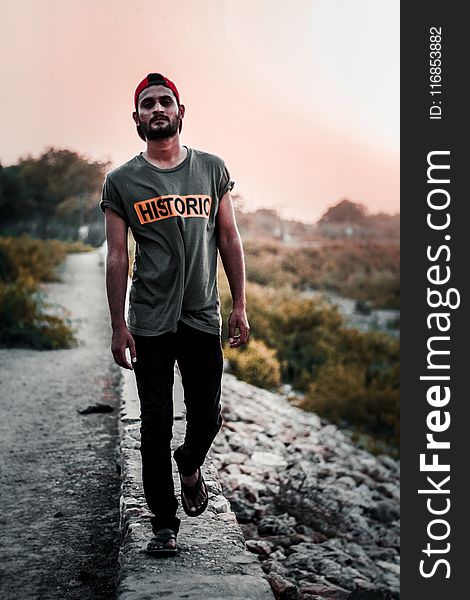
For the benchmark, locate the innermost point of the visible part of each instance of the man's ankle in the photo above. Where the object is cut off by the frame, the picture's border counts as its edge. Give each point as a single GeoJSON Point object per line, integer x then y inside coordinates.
{"type": "Point", "coordinates": [190, 479]}
{"type": "Point", "coordinates": [164, 523]}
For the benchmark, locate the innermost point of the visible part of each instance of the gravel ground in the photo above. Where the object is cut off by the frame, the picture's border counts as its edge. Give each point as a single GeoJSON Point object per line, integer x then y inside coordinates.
{"type": "Point", "coordinates": [59, 480]}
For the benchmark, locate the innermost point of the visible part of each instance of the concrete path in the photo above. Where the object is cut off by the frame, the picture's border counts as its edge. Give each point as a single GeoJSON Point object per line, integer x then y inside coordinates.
{"type": "Point", "coordinates": [214, 563]}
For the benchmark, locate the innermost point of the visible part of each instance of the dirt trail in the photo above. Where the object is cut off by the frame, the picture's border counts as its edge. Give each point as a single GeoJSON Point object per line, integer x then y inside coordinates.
{"type": "Point", "coordinates": [59, 483]}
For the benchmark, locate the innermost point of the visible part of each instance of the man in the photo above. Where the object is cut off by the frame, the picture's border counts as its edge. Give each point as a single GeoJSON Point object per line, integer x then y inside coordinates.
{"type": "Point", "coordinates": [177, 202]}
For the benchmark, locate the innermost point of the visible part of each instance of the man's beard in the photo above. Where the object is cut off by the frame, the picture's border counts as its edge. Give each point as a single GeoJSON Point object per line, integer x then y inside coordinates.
{"type": "Point", "coordinates": [164, 130]}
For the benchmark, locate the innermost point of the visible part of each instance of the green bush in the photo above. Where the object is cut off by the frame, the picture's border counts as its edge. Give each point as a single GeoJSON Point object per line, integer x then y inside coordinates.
{"type": "Point", "coordinates": [25, 318]}
{"type": "Point", "coordinates": [34, 257]}
{"type": "Point", "coordinates": [24, 322]}
{"type": "Point", "coordinates": [255, 363]}
{"type": "Point", "coordinates": [300, 330]}
{"type": "Point", "coordinates": [350, 377]}
{"type": "Point", "coordinates": [75, 247]}
{"type": "Point", "coordinates": [353, 395]}
{"type": "Point", "coordinates": [8, 269]}
{"type": "Point", "coordinates": [356, 269]}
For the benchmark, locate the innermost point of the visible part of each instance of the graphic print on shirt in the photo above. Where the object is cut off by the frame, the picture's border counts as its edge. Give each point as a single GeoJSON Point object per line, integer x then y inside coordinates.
{"type": "Point", "coordinates": [164, 207]}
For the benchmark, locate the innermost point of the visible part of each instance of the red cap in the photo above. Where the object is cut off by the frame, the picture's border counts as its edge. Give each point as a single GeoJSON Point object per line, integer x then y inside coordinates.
{"type": "Point", "coordinates": [155, 79]}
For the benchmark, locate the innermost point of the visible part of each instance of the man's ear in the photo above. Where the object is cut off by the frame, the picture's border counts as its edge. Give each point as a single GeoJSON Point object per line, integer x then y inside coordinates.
{"type": "Point", "coordinates": [135, 116]}
{"type": "Point", "coordinates": [181, 115]}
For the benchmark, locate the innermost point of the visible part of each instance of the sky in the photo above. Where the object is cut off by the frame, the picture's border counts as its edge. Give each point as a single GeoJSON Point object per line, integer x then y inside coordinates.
{"type": "Point", "coordinates": [300, 98]}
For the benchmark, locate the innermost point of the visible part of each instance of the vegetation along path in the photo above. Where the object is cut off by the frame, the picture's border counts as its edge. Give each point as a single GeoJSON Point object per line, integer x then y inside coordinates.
{"type": "Point", "coordinates": [59, 483]}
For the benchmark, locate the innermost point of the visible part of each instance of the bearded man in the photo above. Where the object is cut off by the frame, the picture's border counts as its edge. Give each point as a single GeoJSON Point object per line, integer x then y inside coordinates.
{"type": "Point", "coordinates": [176, 201]}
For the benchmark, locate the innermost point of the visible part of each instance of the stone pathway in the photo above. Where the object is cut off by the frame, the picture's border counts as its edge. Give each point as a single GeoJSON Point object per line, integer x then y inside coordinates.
{"type": "Point", "coordinates": [213, 563]}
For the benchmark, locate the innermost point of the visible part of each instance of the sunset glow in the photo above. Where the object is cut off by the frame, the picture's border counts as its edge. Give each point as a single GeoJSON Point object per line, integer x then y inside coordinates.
{"type": "Point", "coordinates": [301, 99]}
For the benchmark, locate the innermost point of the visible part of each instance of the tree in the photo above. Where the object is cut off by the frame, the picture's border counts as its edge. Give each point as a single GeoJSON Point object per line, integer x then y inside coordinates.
{"type": "Point", "coordinates": [62, 184]}
{"type": "Point", "coordinates": [51, 196]}
{"type": "Point", "coordinates": [13, 199]}
{"type": "Point", "coordinates": [345, 212]}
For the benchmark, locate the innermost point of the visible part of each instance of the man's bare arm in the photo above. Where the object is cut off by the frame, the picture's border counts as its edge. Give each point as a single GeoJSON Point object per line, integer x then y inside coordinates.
{"type": "Point", "coordinates": [117, 267]}
{"type": "Point", "coordinates": [231, 252]}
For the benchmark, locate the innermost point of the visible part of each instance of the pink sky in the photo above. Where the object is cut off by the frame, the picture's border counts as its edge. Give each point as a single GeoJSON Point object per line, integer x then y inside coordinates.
{"type": "Point", "coordinates": [299, 98]}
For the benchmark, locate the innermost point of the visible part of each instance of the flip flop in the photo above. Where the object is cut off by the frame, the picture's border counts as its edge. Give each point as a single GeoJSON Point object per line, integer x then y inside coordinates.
{"type": "Point", "coordinates": [156, 547]}
{"type": "Point", "coordinates": [193, 492]}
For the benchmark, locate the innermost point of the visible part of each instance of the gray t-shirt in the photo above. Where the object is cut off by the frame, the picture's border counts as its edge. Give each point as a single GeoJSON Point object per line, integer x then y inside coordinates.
{"type": "Point", "coordinates": [172, 215]}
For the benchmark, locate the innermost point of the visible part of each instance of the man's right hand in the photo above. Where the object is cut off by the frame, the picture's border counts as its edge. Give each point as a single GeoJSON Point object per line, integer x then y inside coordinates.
{"type": "Point", "coordinates": [121, 340]}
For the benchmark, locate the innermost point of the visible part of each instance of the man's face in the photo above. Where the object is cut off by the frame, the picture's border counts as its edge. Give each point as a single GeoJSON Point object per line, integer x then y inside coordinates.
{"type": "Point", "coordinates": [158, 113]}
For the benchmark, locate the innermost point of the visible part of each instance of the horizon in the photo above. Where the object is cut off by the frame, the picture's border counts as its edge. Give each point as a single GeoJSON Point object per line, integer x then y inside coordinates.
{"type": "Point", "coordinates": [236, 195]}
{"type": "Point", "coordinates": [271, 208]}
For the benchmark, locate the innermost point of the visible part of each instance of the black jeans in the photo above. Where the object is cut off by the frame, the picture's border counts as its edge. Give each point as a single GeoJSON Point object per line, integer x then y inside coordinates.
{"type": "Point", "coordinates": [200, 360]}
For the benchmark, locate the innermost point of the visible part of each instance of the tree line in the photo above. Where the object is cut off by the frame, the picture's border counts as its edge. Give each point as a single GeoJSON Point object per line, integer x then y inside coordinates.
{"type": "Point", "coordinates": [54, 196]}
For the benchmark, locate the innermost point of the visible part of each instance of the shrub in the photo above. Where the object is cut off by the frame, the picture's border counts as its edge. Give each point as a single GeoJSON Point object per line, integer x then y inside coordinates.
{"type": "Point", "coordinates": [25, 318]}
{"type": "Point", "coordinates": [34, 257]}
{"type": "Point", "coordinates": [255, 363]}
{"type": "Point", "coordinates": [301, 330]}
{"type": "Point", "coordinates": [357, 269]}
{"type": "Point", "coordinates": [362, 307]}
{"type": "Point", "coordinates": [75, 247]}
{"type": "Point", "coordinates": [24, 321]}
{"type": "Point", "coordinates": [8, 269]}
{"type": "Point", "coordinates": [359, 396]}
{"type": "Point", "coordinates": [348, 376]}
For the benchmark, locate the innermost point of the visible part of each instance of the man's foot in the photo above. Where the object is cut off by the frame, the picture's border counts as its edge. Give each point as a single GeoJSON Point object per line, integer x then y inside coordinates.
{"type": "Point", "coordinates": [163, 544]}
{"type": "Point", "coordinates": [194, 495]}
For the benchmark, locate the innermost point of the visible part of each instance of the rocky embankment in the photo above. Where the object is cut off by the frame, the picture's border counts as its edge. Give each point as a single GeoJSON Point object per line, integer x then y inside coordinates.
{"type": "Point", "coordinates": [322, 515]}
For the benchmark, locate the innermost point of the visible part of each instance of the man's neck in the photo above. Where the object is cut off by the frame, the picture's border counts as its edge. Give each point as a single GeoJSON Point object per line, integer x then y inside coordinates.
{"type": "Point", "coordinates": [166, 153]}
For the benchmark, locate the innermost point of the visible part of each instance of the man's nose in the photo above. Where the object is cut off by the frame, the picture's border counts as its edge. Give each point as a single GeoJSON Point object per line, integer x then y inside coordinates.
{"type": "Point", "coordinates": [158, 107]}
